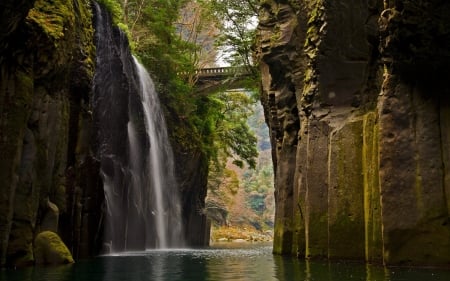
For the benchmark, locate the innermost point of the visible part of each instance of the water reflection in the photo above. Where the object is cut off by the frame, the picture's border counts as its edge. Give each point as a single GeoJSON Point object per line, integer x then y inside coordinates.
{"type": "Point", "coordinates": [241, 264]}
{"type": "Point", "coordinates": [60, 273]}
{"type": "Point", "coordinates": [294, 269]}
{"type": "Point", "coordinates": [225, 262]}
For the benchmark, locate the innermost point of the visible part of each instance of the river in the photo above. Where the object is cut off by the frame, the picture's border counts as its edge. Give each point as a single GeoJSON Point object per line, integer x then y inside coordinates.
{"type": "Point", "coordinates": [237, 262]}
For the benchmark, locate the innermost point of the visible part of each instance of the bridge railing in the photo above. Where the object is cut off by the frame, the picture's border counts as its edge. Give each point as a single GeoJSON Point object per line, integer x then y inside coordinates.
{"type": "Point", "coordinates": [220, 71]}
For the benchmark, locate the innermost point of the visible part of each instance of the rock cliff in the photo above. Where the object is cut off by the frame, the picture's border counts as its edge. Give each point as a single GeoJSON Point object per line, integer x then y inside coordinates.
{"type": "Point", "coordinates": [49, 135]}
{"type": "Point", "coordinates": [356, 100]}
{"type": "Point", "coordinates": [48, 178]}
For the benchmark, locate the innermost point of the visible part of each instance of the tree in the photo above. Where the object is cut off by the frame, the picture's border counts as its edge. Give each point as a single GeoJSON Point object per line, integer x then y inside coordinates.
{"type": "Point", "coordinates": [238, 27]}
{"type": "Point", "coordinates": [233, 135]}
{"type": "Point", "coordinates": [173, 39]}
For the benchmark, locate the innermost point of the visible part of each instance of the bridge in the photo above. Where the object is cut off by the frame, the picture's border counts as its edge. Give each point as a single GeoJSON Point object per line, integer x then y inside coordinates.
{"type": "Point", "coordinates": [215, 78]}
{"type": "Point", "coordinates": [221, 72]}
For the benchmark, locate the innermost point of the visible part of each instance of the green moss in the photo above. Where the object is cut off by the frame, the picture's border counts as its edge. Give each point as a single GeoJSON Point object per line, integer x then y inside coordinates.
{"type": "Point", "coordinates": [315, 23]}
{"type": "Point", "coordinates": [84, 29]}
{"type": "Point", "coordinates": [282, 243]}
{"type": "Point", "coordinates": [114, 8]}
{"type": "Point", "coordinates": [372, 207]}
{"type": "Point", "coordinates": [345, 196]}
{"type": "Point", "coordinates": [314, 32]}
{"type": "Point", "coordinates": [299, 238]}
{"type": "Point", "coordinates": [317, 238]}
{"type": "Point", "coordinates": [50, 249]}
{"type": "Point", "coordinates": [116, 11]}
{"type": "Point", "coordinates": [54, 17]}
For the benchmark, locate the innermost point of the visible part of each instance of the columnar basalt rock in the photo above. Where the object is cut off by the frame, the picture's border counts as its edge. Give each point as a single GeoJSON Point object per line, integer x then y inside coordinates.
{"type": "Point", "coordinates": [46, 61]}
{"type": "Point", "coordinates": [359, 128]}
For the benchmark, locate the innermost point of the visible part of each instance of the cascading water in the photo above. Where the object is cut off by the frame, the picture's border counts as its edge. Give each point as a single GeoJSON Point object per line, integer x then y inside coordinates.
{"type": "Point", "coordinates": [142, 204]}
{"type": "Point", "coordinates": [167, 209]}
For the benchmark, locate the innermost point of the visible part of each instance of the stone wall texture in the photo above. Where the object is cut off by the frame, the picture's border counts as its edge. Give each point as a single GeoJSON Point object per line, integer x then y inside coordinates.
{"type": "Point", "coordinates": [48, 176]}
{"type": "Point", "coordinates": [356, 98]}
{"type": "Point", "coordinates": [49, 169]}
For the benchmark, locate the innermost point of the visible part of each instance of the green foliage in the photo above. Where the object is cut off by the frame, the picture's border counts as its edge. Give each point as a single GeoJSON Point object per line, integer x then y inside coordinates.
{"type": "Point", "coordinates": [114, 8]}
{"type": "Point", "coordinates": [236, 39]}
{"type": "Point", "coordinates": [253, 200]}
{"type": "Point", "coordinates": [215, 124]}
{"type": "Point", "coordinates": [238, 19]}
{"type": "Point", "coordinates": [256, 202]}
{"type": "Point", "coordinates": [232, 135]}
{"type": "Point", "coordinates": [163, 52]}
{"type": "Point", "coordinates": [258, 182]}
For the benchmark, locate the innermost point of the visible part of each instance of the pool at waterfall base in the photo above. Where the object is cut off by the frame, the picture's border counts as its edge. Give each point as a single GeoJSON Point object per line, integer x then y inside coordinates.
{"type": "Point", "coordinates": [227, 261]}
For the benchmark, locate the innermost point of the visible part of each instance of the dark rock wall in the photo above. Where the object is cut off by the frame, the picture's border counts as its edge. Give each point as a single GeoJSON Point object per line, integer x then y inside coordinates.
{"type": "Point", "coordinates": [47, 172]}
{"type": "Point", "coordinates": [192, 173]}
{"type": "Point", "coordinates": [116, 93]}
{"type": "Point", "coordinates": [355, 97]}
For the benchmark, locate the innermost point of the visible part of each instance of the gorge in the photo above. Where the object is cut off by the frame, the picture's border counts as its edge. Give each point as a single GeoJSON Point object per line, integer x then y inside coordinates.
{"type": "Point", "coordinates": [354, 92]}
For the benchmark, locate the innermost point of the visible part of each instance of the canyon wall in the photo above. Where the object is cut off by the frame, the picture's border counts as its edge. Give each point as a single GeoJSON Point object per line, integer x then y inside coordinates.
{"type": "Point", "coordinates": [48, 176]}
{"type": "Point", "coordinates": [356, 99]}
{"type": "Point", "coordinates": [49, 138]}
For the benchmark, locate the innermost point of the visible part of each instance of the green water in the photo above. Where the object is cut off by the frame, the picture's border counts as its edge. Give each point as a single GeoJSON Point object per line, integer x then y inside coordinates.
{"type": "Point", "coordinates": [236, 262]}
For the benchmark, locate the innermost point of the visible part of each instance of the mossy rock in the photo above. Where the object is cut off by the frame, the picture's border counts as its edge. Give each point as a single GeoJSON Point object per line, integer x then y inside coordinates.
{"type": "Point", "coordinates": [53, 17]}
{"type": "Point", "coordinates": [50, 249]}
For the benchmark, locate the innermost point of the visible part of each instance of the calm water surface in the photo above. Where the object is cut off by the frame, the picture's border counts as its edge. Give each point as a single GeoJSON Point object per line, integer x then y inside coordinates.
{"type": "Point", "coordinates": [237, 262]}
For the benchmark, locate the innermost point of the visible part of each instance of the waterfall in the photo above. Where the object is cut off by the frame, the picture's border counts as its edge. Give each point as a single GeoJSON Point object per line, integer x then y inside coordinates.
{"type": "Point", "coordinates": [167, 209]}
{"type": "Point", "coordinates": [143, 208]}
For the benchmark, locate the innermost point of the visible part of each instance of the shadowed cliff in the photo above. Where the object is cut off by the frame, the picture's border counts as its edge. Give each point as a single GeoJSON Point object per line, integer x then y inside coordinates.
{"type": "Point", "coordinates": [48, 176]}
{"type": "Point", "coordinates": [356, 100]}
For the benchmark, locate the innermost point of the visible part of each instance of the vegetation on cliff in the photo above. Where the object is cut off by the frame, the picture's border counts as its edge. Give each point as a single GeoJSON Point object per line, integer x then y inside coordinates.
{"type": "Point", "coordinates": [175, 38]}
{"type": "Point", "coordinates": [170, 38]}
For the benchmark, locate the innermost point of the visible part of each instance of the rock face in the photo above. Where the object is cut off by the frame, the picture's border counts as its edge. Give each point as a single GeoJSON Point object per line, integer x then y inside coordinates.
{"type": "Point", "coordinates": [47, 170]}
{"type": "Point", "coordinates": [50, 249]}
{"type": "Point", "coordinates": [116, 92]}
{"type": "Point", "coordinates": [192, 173]}
{"type": "Point", "coordinates": [359, 128]}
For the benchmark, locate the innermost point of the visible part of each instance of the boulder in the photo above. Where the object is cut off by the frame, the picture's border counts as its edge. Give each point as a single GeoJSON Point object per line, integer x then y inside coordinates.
{"type": "Point", "coordinates": [50, 249]}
